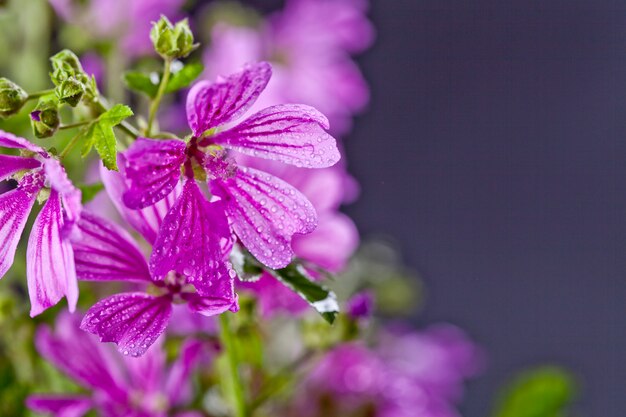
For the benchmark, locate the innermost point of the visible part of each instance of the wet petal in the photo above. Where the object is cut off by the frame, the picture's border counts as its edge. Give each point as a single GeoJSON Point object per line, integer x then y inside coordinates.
{"type": "Point", "coordinates": [80, 356]}
{"type": "Point", "coordinates": [146, 221]}
{"type": "Point", "coordinates": [133, 321]}
{"type": "Point", "coordinates": [265, 213]}
{"type": "Point", "coordinates": [291, 133]}
{"type": "Point", "coordinates": [60, 405]}
{"type": "Point", "coordinates": [152, 170]}
{"type": "Point", "coordinates": [8, 140]}
{"type": "Point", "coordinates": [194, 241]}
{"type": "Point", "coordinates": [103, 251]}
{"type": "Point", "coordinates": [50, 260]}
{"type": "Point", "coordinates": [222, 299]}
{"type": "Point", "coordinates": [9, 165]}
{"type": "Point", "coordinates": [15, 206]}
{"type": "Point", "coordinates": [211, 105]}
{"type": "Point", "coordinates": [71, 196]}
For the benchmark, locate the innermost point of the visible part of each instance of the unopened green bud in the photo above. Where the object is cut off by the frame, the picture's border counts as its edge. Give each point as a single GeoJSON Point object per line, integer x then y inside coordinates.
{"type": "Point", "coordinates": [45, 118]}
{"type": "Point", "coordinates": [70, 91]}
{"type": "Point", "coordinates": [12, 97]}
{"type": "Point", "coordinates": [172, 41]}
{"type": "Point", "coordinates": [65, 65]}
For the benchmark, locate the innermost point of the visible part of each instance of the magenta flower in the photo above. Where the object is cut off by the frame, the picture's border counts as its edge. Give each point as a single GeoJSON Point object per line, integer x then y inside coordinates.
{"type": "Point", "coordinates": [106, 252]}
{"type": "Point", "coordinates": [409, 373]}
{"type": "Point", "coordinates": [264, 211]}
{"type": "Point", "coordinates": [128, 21]}
{"type": "Point", "coordinates": [118, 386]}
{"type": "Point", "coordinates": [329, 246]}
{"type": "Point", "coordinates": [49, 259]}
{"type": "Point", "coordinates": [309, 43]}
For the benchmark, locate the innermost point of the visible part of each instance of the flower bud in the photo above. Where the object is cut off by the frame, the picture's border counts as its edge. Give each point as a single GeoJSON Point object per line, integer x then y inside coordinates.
{"type": "Point", "coordinates": [12, 97]}
{"type": "Point", "coordinates": [70, 91]}
{"type": "Point", "coordinates": [45, 118]}
{"type": "Point", "coordinates": [65, 65]}
{"type": "Point", "coordinates": [172, 41]}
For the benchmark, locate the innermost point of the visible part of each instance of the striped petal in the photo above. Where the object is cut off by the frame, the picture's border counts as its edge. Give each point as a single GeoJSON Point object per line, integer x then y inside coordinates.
{"type": "Point", "coordinates": [50, 260]}
{"type": "Point", "coordinates": [8, 140]}
{"type": "Point", "coordinates": [146, 221]}
{"type": "Point", "coordinates": [9, 165]}
{"type": "Point", "coordinates": [60, 405]}
{"type": "Point", "coordinates": [133, 321]}
{"type": "Point", "coordinates": [210, 105]}
{"type": "Point", "coordinates": [15, 206]}
{"type": "Point", "coordinates": [291, 133]}
{"type": "Point", "coordinates": [104, 251]}
{"type": "Point", "coordinates": [194, 242]}
{"type": "Point", "coordinates": [265, 213]}
{"type": "Point", "coordinates": [70, 195]}
{"type": "Point", "coordinates": [152, 170]}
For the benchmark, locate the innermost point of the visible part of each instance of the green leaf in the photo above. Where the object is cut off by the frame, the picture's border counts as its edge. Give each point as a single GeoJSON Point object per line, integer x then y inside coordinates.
{"type": "Point", "coordinates": [145, 83]}
{"type": "Point", "coordinates": [100, 135]}
{"type": "Point", "coordinates": [90, 191]}
{"type": "Point", "coordinates": [542, 392]}
{"type": "Point", "coordinates": [323, 300]}
{"type": "Point", "coordinates": [141, 83]}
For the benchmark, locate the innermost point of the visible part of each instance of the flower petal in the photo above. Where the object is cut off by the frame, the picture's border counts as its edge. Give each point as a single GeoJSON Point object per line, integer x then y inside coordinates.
{"type": "Point", "coordinates": [133, 321]}
{"type": "Point", "coordinates": [152, 170]}
{"type": "Point", "coordinates": [178, 381]}
{"type": "Point", "coordinates": [194, 241]}
{"type": "Point", "coordinates": [291, 133]}
{"type": "Point", "coordinates": [60, 405]}
{"type": "Point", "coordinates": [50, 267]}
{"type": "Point", "coordinates": [222, 299]}
{"type": "Point", "coordinates": [146, 221]}
{"type": "Point", "coordinates": [265, 213]}
{"type": "Point", "coordinates": [211, 105]}
{"type": "Point", "coordinates": [10, 164]}
{"type": "Point", "coordinates": [81, 357]}
{"type": "Point", "coordinates": [15, 206]}
{"type": "Point", "coordinates": [55, 173]}
{"type": "Point", "coordinates": [8, 140]}
{"type": "Point", "coordinates": [103, 251]}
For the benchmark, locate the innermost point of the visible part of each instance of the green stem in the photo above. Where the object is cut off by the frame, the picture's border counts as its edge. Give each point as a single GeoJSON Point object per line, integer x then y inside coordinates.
{"type": "Point", "coordinates": [156, 102]}
{"type": "Point", "coordinates": [228, 341]}
{"type": "Point", "coordinates": [36, 95]}
{"type": "Point", "coordinates": [73, 125]}
{"type": "Point", "coordinates": [70, 145]}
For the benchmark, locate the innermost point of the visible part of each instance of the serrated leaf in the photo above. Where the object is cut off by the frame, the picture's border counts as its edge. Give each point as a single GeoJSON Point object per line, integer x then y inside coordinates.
{"type": "Point", "coordinates": [323, 300]}
{"type": "Point", "coordinates": [101, 136]}
{"type": "Point", "coordinates": [148, 84]}
{"type": "Point", "coordinates": [541, 392]}
{"type": "Point", "coordinates": [90, 191]}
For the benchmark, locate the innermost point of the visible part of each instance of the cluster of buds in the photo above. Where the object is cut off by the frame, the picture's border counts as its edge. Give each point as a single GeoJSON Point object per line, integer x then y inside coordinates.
{"type": "Point", "coordinates": [72, 83]}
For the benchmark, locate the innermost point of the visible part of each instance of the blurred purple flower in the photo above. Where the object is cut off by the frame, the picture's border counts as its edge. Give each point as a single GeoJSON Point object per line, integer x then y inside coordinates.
{"type": "Point", "coordinates": [127, 21]}
{"type": "Point", "coordinates": [263, 210]}
{"type": "Point", "coordinates": [118, 386]}
{"type": "Point", "coordinates": [407, 374]}
{"type": "Point", "coordinates": [360, 306]}
{"type": "Point", "coordinates": [106, 252]}
{"type": "Point", "coordinates": [309, 43]}
{"type": "Point", "coordinates": [49, 260]}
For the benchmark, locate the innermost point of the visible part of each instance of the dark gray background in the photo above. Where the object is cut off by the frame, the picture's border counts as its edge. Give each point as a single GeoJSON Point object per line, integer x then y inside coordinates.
{"type": "Point", "coordinates": [494, 151]}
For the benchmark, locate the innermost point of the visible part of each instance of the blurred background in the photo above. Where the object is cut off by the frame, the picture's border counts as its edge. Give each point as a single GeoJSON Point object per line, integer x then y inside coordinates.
{"type": "Point", "coordinates": [493, 152]}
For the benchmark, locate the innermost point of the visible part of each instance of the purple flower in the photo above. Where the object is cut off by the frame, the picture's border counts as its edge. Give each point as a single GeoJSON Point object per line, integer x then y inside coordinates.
{"type": "Point", "coordinates": [264, 211]}
{"type": "Point", "coordinates": [309, 43]}
{"type": "Point", "coordinates": [106, 252]}
{"type": "Point", "coordinates": [127, 20]}
{"type": "Point", "coordinates": [49, 259]}
{"type": "Point", "coordinates": [407, 374]}
{"type": "Point", "coordinates": [118, 386]}
{"type": "Point", "coordinates": [329, 246]}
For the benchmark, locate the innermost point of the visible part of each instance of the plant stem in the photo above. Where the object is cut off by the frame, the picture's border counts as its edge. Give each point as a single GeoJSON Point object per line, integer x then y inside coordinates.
{"type": "Point", "coordinates": [228, 341]}
{"type": "Point", "coordinates": [38, 94]}
{"type": "Point", "coordinates": [70, 145]}
{"type": "Point", "coordinates": [73, 125]}
{"type": "Point", "coordinates": [156, 102]}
